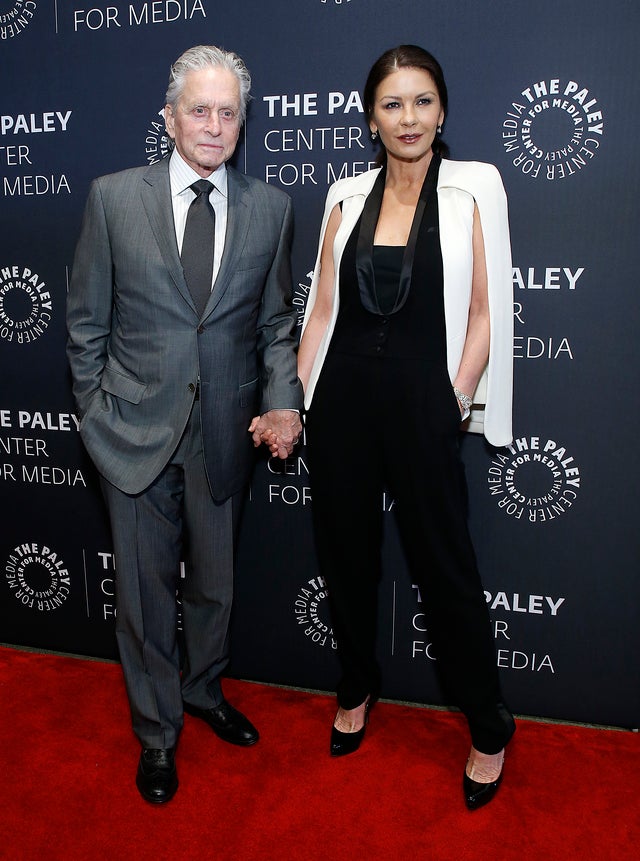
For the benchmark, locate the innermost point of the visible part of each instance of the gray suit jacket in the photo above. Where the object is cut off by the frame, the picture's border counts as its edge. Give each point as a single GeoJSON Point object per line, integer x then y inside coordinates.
{"type": "Point", "coordinates": [137, 347]}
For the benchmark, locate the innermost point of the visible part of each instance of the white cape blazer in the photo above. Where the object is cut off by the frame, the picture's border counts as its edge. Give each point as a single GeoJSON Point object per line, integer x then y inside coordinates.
{"type": "Point", "coordinates": [460, 185]}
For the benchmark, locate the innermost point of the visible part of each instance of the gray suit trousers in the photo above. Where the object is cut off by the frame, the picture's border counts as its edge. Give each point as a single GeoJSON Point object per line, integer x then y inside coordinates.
{"type": "Point", "coordinates": [174, 519]}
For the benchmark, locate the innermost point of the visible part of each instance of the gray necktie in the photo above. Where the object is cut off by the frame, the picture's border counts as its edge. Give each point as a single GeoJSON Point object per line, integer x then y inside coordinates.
{"type": "Point", "coordinates": [197, 244]}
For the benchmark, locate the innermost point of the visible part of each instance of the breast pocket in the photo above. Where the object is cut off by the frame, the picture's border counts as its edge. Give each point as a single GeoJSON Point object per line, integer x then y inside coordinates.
{"type": "Point", "coordinates": [254, 261]}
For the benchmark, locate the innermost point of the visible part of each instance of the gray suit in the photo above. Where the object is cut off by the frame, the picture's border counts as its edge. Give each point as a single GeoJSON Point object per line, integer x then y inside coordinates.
{"type": "Point", "coordinates": [134, 371]}
{"type": "Point", "coordinates": [137, 350]}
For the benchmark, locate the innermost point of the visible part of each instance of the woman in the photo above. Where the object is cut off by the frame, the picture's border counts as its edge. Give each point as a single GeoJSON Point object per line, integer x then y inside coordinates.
{"type": "Point", "coordinates": [410, 303]}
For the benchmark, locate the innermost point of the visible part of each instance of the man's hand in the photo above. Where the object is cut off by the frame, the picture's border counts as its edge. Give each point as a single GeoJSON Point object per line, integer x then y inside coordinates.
{"type": "Point", "coordinates": [279, 430]}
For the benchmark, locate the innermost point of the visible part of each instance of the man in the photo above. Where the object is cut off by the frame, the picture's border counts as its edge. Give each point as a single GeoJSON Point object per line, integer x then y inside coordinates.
{"type": "Point", "coordinates": [180, 341]}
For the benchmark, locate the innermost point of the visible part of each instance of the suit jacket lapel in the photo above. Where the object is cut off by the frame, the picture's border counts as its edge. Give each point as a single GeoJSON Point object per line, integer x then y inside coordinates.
{"type": "Point", "coordinates": [239, 209]}
{"type": "Point", "coordinates": [156, 199]}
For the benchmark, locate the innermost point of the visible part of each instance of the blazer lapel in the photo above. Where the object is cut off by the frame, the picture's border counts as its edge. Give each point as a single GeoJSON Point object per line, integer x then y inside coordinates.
{"type": "Point", "coordinates": [239, 209]}
{"type": "Point", "coordinates": [156, 199]}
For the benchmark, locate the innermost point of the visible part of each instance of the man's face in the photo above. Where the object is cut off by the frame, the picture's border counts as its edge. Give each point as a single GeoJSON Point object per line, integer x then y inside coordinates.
{"type": "Point", "coordinates": [206, 122]}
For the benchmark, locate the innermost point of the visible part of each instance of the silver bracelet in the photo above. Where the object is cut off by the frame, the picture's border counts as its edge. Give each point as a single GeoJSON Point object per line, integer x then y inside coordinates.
{"type": "Point", "coordinates": [465, 400]}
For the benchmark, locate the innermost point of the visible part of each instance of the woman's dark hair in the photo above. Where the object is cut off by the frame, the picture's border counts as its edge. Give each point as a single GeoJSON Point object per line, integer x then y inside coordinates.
{"type": "Point", "coordinates": [406, 57]}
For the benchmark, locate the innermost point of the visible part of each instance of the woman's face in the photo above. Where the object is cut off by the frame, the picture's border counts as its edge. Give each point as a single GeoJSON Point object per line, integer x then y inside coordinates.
{"type": "Point", "coordinates": [406, 114]}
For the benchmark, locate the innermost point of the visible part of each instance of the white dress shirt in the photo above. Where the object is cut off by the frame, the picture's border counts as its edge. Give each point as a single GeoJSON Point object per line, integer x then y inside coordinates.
{"type": "Point", "coordinates": [182, 176]}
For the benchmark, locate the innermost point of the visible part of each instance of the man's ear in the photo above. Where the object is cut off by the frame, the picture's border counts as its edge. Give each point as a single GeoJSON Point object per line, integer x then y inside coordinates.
{"type": "Point", "coordinates": [168, 120]}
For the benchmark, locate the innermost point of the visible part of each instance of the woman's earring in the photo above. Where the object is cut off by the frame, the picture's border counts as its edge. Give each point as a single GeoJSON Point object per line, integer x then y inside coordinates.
{"type": "Point", "coordinates": [374, 136]}
{"type": "Point", "coordinates": [439, 130]}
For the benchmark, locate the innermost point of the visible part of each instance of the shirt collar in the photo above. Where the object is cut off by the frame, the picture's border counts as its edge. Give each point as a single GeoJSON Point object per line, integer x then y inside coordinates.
{"type": "Point", "coordinates": [182, 175]}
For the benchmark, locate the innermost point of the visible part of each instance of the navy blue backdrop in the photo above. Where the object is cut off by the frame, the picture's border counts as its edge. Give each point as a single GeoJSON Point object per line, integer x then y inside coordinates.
{"type": "Point", "coordinates": [545, 92]}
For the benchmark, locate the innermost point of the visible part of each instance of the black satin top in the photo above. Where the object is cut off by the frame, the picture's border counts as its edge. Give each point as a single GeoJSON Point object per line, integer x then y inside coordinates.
{"type": "Point", "coordinates": [391, 297]}
{"type": "Point", "coordinates": [387, 266]}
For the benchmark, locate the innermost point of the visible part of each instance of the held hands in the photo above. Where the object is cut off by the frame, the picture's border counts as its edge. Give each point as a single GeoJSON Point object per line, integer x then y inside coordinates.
{"type": "Point", "coordinates": [279, 430]}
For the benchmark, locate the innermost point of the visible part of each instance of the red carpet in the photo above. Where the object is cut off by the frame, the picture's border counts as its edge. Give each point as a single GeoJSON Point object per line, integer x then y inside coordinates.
{"type": "Point", "coordinates": [69, 758]}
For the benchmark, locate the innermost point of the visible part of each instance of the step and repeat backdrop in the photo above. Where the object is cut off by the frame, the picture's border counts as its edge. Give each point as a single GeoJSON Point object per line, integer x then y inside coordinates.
{"type": "Point", "coordinates": [547, 92]}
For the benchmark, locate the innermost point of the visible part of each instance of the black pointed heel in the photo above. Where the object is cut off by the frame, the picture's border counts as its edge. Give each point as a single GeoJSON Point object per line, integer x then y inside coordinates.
{"type": "Point", "coordinates": [478, 794]}
{"type": "Point", "coordinates": [343, 743]}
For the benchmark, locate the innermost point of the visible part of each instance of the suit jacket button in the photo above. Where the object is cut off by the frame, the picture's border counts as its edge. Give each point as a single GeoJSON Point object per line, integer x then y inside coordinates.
{"type": "Point", "coordinates": [191, 387]}
{"type": "Point", "coordinates": [200, 330]}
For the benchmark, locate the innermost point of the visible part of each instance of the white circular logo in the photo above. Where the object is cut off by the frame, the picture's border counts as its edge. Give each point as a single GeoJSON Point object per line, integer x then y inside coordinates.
{"type": "Point", "coordinates": [156, 144]}
{"type": "Point", "coordinates": [553, 129]}
{"type": "Point", "coordinates": [37, 577]}
{"type": "Point", "coordinates": [534, 479]}
{"type": "Point", "coordinates": [312, 612]}
{"type": "Point", "coordinates": [16, 18]}
{"type": "Point", "coordinates": [25, 305]}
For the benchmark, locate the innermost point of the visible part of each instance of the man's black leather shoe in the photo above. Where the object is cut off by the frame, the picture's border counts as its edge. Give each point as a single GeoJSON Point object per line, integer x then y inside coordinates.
{"type": "Point", "coordinates": [157, 778]}
{"type": "Point", "coordinates": [227, 723]}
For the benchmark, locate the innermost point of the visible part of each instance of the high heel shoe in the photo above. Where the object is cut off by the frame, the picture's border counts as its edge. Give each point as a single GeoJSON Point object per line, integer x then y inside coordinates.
{"type": "Point", "coordinates": [478, 794]}
{"type": "Point", "coordinates": [343, 743]}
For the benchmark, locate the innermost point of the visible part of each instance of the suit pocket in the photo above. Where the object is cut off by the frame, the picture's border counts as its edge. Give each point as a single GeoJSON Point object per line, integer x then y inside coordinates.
{"type": "Point", "coordinates": [254, 261]}
{"type": "Point", "coordinates": [122, 386]}
{"type": "Point", "coordinates": [248, 393]}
